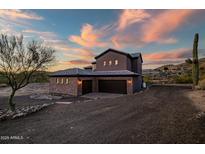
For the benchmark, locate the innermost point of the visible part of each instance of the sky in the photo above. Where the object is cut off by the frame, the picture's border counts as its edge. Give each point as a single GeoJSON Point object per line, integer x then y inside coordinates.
{"type": "Point", "coordinates": [162, 36]}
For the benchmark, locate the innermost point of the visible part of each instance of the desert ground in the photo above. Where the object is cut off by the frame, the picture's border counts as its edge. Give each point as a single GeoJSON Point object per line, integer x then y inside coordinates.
{"type": "Point", "coordinates": [160, 114]}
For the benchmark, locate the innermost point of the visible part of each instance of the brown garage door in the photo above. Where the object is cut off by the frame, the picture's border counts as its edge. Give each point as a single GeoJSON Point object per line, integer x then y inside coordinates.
{"type": "Point", "coordinates": [86, 86]}
{"type": "Point", "coordinates": [113, 86]}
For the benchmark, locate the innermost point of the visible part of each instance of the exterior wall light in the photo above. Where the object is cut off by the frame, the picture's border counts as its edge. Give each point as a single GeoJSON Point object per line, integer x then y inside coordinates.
{"type": "Point", "coordinates": [129, 81]}
{"type": "Point", "coordinates": [79, 82]}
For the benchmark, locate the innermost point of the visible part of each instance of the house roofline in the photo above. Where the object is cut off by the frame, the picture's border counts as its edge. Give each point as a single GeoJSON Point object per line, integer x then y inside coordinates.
{"type": "Point", "coordinates": [117, 51]}
{"type": "Point", "coordinates": [124, 75]}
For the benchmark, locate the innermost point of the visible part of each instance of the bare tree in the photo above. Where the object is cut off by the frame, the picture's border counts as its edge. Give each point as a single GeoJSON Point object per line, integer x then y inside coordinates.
{"type": "Point", "coordinates": [19, 62]}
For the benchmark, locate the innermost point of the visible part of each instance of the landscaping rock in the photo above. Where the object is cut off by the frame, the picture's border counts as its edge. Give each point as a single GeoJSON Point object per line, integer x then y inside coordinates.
{"type": "Point", "coordinates": [45, 96]}
{"type": "Point", "coordinates": [23, 111]}
{"type": "Point", "coordinates": [3, 85]}
{"type": "Point", "coordinates": [200, 115]}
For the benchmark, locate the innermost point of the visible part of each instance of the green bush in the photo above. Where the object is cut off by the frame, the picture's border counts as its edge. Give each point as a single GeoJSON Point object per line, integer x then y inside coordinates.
{"type": "Point", "coordinates": [185, 78]}
{"type": "Point", "coordinates": [38, 77]}
{"type": "Point", "coordinates": [202, 84]}
{"type": "Point", "coordinates": [3, 79]}
{"type": "Point", "coordinates": [147, 79]}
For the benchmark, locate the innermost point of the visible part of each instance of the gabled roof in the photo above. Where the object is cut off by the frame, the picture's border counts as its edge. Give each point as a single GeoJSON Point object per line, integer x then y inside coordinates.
{"type": "Point", "coordinates": [75, 72]}
{"type": "Point", "coordinates": [132, 55]}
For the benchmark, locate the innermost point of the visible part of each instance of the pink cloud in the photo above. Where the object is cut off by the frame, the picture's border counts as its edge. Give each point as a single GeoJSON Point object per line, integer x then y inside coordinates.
{"type": "Point", "coordinates": [129, 17]}
{"type": "Point", "coordinates": [171, 54]}
{"type": "Point", "coordinates": [80, 53]}
{"type": "Point", "coordinates": [89, 37]}
{"type": "Point", "coordinates": [19, 14]}
{"type": "Point", "coordinates": [77, 62]}
{"type": "Point", "coordinates": [157, 29]}
{"type": "Point", "coordinates": [175, 56]}
{"type": "Point", "coordinates": [122, 40]}
{"type": "Point", "coordinates": [61, 65]}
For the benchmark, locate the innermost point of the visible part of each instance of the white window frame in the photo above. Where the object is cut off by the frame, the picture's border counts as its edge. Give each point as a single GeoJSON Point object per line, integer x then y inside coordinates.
{"type": "Point", "coordinates": [110, 62]}
{"type": "Point", "coordinates": [104, 63]}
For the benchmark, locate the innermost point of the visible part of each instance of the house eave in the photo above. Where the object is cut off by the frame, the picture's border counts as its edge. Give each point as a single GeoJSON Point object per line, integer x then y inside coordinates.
{"type": "Point", "coordinates": [123, 75]}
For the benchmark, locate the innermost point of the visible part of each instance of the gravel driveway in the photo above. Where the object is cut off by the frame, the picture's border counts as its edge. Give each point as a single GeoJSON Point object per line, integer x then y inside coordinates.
{"type": "Point", "coordinates": [159, 115]}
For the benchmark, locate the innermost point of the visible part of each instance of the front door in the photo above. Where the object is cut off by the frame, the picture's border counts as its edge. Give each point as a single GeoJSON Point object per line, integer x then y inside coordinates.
{"type": "Point", "coordinates": [86, 86]}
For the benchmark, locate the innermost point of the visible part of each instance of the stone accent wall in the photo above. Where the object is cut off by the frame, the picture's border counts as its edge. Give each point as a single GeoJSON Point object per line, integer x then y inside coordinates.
{"type": "Point", "coordinates": [69, 89]}
{"type": "Point", "coordinates": [75, 84]}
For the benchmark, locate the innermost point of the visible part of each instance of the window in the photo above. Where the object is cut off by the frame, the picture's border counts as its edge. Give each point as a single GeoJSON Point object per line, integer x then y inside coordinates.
{"type": "Point", "coordinates": [57, 80]}
{"type": "Point", "coordinates": [62, 81]}
{"type": "Point", "coordinates": [110, 62]}
{"type": "Point", "coordinates": [116, 62]}
{"type": "Point", "coordinates": [67, 81]}
{"type": "Point", "coordinates": [104, 63]}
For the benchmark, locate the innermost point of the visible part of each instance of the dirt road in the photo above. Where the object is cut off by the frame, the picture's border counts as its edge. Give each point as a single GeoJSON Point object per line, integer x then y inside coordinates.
{"type": "Point", "coordinates": [159, 115]}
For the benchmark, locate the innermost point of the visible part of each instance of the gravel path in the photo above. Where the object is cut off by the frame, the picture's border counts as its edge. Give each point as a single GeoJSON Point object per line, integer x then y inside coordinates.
{"type": "Point", "coordinates": [159, 115]}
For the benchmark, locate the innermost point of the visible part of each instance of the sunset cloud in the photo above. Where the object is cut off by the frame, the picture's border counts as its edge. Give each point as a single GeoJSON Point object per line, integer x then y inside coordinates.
{"type": "Point", "coordinates": [62, 46]}
{"type": "Point", "coordinates": [129, 17]}
{"type": "Point", "coordinates": [80, 53]}
{"type": "Point", "coordinates": [19, 14]}
{"type": "Point", "coordinates": [13, 21]}
{"type": "Point", "coordinates": [43, 35]}
{"type": "Point", "coordinates": [158, 28]}
{"type": "Point", "coordinates": [171, 54]}
{"type": "Point", "coordinates": [174, 56]}
{"type": "Point", "coordinates": [157, 59]}
{"type": "Point", "coordinates": [89, 37]}
{"type": "Point", "coordinates": [77, 62]}
{"type": "Point", "coordinates": [120, 41]}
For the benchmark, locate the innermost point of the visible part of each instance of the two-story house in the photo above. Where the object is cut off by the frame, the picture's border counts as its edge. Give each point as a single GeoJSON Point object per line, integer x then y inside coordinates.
{"type": "Point", "coordinates": [113, 72]}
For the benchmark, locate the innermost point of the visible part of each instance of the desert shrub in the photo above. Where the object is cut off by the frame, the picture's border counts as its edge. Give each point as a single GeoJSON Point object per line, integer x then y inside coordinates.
{"type": "Point", "coordinates": [40, 77]}
{"type": "Point", "coordinates": [202, 76]}
{"type": "Point", "coordinates": [147, 79]}
{"type": "Point", "coordinates": [202, 84]}
{"type": "Point", "coordinates": [185, 78]}
{"type": "Point", "coordinates": [3, 79]}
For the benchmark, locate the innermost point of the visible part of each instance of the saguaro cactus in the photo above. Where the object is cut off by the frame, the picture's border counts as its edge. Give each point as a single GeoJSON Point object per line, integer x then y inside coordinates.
{"type": "Point", "coordinates": [195, 61]}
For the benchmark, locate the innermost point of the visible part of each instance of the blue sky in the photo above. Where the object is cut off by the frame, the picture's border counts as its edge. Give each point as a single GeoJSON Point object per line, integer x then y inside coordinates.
{"type": "Point", "coordinates": [162, 36]}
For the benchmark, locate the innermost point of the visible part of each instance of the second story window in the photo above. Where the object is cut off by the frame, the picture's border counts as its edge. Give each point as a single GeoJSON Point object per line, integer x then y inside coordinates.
{"type": "Point", "coordinates": [67, 81]}
{"type": "Point", "coordinates": [116, 62]}
{"type": "Point", "coordinates": [104, 63]}
{"type": "Point", "coordinates": [110, 62]}
{"type": "Point", "coordinates": [62, 81]}
{"type": "Point", "coordinates": [57, 80]}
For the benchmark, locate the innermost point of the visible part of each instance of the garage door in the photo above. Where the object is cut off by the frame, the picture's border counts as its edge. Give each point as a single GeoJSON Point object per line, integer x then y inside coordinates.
{"type": "Point", "coordinates": [113, 86]}
{"type": "Point", "coordinates": [86, 86]}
